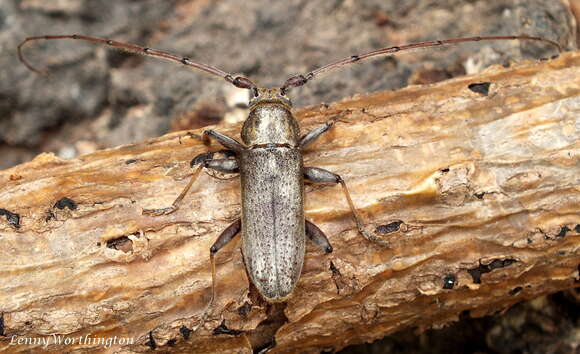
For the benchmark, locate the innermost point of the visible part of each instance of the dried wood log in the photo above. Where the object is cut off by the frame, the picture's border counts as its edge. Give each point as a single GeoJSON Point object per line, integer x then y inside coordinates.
{"type": "Point", "coordinates": [470, 185]}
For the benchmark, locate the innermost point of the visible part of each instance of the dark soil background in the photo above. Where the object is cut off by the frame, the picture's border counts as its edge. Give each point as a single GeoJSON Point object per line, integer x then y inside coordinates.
{"type": "Point", "coordinates": [97, 98]}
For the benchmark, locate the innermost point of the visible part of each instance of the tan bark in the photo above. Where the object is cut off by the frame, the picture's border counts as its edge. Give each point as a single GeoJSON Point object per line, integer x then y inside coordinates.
{"type": "Point", "coordinates": [485, 188]}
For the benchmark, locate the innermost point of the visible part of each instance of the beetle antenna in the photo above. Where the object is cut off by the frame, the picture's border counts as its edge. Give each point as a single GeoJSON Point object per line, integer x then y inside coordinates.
{"type": "Point", "coordinates": [302, 79]}
{"type": "Point", "coordinates": [238, 81]}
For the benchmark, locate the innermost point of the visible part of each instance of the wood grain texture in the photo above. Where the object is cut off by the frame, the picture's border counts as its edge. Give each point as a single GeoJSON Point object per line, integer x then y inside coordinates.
{"type": "Point", "coordinates": [477, 198]}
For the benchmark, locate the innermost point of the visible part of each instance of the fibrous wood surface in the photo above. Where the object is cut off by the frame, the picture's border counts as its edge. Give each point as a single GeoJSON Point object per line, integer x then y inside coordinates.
{"type": "Point", "coordinates": [474, 196]}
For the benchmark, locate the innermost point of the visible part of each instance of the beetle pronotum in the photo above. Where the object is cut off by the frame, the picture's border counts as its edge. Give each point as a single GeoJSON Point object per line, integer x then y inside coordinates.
{"type": "Point", "coordinates": [270, 164]}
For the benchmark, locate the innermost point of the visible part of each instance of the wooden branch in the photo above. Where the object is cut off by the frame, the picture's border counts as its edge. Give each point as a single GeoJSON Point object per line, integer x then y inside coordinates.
{"type": "Point", "coordinates": [475, 197]}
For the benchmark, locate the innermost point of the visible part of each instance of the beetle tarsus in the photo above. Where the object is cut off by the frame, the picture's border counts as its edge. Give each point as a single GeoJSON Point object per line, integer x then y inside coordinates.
{"type": "Point", "coordinates": [175, 205]}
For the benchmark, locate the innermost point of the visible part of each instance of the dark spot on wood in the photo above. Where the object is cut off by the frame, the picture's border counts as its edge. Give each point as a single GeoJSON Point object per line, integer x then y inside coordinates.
{"type": "Point", "coordinates": [334, 270]}
{"type": "Point", "coordinates": [563, 231]}
{"type": "Point", "coordinates": [128, 162]}
{"type": "Point", "coordinates": [515, 291]}
{"type": "Point", "coordinates": [98, 244]}
{"type": "Point", "coordinates": [65, 203]}
{"type": "Point", "coordinates": [449, 281]}
{"type": "Point", "coordinates": [555, 56]}
{"type": "Point", "coordinates": [223, 329]}
{"type": "Point", "coordinates": [28, 323]}
{"type": "Point", "coordinates": [49, 216]}
{"type": "Point", "coordinates": [479, 195]}
{"type": "Point", "coordinates": [264, 348]}
{"type": "Point", "coordinates": [464, 315]}
{"type": "Point", "coordinates": [151, 342]}
{"type": "Point", "coordinates": [12, 218]}
{"type": "Point", "coordinates": [445, 170]}
{"type": "Point", "coordinates": [480, 87]}
{"type": "Point", "coordinates": [486, 268]}
{"type": "Point", "coordinates": [122, 243]}
{"type": "Point", "coordinates": [171, 342]}
{"type": "Point", "coordinates": [546, 236]}
{"type": "Point", "coordinates": [244, 309]}
{"type": "Point", "coordinates": [388, 228]}
{"type": "Point", "coordinates": [561, 253]}
{"type": "Point", "coordinates": [185, 332]}
{"type": "Point", "coordinates": [577, 229]}
{"type": "Point", "coordinates": [336, 277]}
{"type": "Point", "coordinates": [2, 332]}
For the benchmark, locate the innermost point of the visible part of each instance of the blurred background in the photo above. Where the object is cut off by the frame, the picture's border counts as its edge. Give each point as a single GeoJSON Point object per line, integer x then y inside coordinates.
{"type": "Point", "coordinates": [97, 98]}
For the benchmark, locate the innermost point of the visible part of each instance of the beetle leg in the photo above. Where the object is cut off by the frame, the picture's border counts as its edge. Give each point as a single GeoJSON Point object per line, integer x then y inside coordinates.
{"type": "Point", "coordinates": [209, 156]}
{"type": "Point", "coordinates": [312, 135]}
{"type": "Point", "coordinates": [204, 160]}
{"type": "Point", "coordinates": [317, 236]}
{"type": "Point", "coordinates": [223, 239]}
{"type": "Point", "coordinates": [225, 140]}
{"type": "Point", "coordinates": [222, 165]}
{"type": "Point", "coordinates": [319, 175]}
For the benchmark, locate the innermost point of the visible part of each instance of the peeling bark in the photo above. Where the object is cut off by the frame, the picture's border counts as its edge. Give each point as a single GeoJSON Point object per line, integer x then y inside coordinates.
{"type": "Point", "coordinates": [474, 196]}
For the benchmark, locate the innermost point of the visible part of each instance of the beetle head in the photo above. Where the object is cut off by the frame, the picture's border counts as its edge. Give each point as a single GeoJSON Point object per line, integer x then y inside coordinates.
{"type": "Point", "coordinates": [269, 95]}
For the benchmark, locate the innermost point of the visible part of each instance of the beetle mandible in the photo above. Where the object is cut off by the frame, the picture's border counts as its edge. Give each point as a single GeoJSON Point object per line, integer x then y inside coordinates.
{"type": "Point", "coordinates": [269, 161]}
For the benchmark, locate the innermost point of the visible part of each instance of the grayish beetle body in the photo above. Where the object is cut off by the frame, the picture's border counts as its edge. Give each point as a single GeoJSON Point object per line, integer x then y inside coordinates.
{"type": "Point", "coordinates": [272, 183]}
{"type": "Point", "coordinates": [272, 176]}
